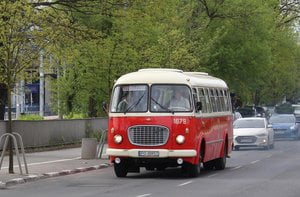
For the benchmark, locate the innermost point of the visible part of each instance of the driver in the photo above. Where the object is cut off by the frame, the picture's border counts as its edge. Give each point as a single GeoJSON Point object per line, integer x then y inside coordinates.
{"type": "Point", "coordinates": [179, 102]}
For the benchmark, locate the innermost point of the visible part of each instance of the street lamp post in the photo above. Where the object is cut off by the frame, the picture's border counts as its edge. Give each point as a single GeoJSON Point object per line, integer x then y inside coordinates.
{"type": "Point", "coordinates": [42, 78]}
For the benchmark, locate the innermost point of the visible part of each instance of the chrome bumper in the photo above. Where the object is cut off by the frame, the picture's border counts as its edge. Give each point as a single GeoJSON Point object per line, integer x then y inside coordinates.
{"type": "Point", "coordinates": [163, 153]}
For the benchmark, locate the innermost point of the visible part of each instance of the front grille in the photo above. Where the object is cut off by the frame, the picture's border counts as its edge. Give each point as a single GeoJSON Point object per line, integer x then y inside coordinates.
{"type": "Point", "coordinates": [246, 139]}
{"type": "Point", "coordinates": [144, 135]}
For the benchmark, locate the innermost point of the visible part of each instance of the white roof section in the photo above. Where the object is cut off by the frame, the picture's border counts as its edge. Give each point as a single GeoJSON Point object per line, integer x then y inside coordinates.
{"type": "Point", "coordinates": [171, 76]}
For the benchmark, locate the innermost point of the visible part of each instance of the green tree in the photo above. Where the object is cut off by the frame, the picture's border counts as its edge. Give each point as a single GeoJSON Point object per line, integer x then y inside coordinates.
{"type": "Point", "coordinates": [248, 45]}
{"type": "Point", "coordinates": [26, 30]}
{"type": "Point", "coordinates": [138, 35]}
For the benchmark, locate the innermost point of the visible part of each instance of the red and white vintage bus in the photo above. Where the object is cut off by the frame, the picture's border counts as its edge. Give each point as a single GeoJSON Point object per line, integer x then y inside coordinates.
{"type": "Point", "coordinates": [161, 118]}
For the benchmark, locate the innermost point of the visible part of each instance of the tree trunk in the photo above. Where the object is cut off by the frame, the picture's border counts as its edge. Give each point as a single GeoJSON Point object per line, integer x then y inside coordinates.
{"type": "Point", "coordinates": [9, 130]}
{"type": "Point", "coordinates": [92, 111]}
{"type": "Point", "coordinates": [3, 100]}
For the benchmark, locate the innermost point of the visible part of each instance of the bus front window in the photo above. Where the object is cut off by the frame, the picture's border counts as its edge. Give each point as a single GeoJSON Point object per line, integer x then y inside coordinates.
{"type": "Point", "coordinates": [130, 98]}
{"type": "Point", "coordinates": [170, 98]}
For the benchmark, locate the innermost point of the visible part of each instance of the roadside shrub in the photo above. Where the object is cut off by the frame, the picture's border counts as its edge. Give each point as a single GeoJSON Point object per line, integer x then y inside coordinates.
{"type": "Point", "coordinates": [75, 116]}
{"type": "Point", "coordinates": [31, 117]}
{"type": "Point", "coordinates": [95, 134]}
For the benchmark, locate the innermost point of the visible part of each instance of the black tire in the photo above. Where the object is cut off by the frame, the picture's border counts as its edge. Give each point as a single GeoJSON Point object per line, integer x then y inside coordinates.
{"type": "Point", "coordinates": [121, 169]}
{"type": "Point", "coordinates": [192, 170]}
{"type": "Point", "coordinates": [220, 163]}
{"type": "Point", "coordinates": [209, 165]}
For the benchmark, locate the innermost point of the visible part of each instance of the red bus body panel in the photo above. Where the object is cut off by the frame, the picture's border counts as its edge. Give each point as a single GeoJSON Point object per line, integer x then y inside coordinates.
{"type": "Point", "coordinates": [213, 131]}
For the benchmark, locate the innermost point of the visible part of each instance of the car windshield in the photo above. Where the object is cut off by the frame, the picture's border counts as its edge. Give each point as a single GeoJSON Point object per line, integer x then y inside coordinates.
{"type": "Point", "coordinates": [170, 98]}
{"type": "Point", "coordinates": [249, 123]}
{"type": "Point", "coordinates": [130, 98]}
{"type": "Point", "coordinates": [282, 119]}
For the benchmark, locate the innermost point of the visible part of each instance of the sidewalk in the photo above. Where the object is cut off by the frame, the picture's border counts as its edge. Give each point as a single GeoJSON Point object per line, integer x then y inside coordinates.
{"type": "Point", "coordinates": [50, 164]}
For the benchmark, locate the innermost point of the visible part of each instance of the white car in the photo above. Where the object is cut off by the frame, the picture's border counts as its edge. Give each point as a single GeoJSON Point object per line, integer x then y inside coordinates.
{"type": "Point", "coordinates": [253, 132]}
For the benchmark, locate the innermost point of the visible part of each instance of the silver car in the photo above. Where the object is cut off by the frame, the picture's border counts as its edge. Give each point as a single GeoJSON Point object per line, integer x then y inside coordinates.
{"type": "Point", "coordinates": [253, 132]}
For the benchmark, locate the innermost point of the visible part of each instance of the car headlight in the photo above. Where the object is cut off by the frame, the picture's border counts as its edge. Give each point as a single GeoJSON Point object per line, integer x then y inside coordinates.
{"type": "Point", "coordinates": [118, 139]}
{"type": "Point", "coordinates": [293, 127]}
{"type": "Point", "coordinates": [262, 135]}
{"type": "Point", "coordinates": [180, 139]}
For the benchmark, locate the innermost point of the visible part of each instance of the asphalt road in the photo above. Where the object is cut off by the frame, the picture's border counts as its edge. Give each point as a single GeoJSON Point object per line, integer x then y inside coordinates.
{"type": "Point", "coordinates": [249, 173]}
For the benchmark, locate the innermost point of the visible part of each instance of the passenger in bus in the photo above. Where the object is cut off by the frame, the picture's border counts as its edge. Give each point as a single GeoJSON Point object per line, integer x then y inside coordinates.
{"type": "Point", "coordinates": [179, 102]}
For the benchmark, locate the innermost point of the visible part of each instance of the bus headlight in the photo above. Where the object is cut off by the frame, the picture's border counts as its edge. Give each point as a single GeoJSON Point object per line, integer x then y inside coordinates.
{"type": "Point", "coordinates": [180, 139]}
{"type": "Point", "coordinates": [117, 139]}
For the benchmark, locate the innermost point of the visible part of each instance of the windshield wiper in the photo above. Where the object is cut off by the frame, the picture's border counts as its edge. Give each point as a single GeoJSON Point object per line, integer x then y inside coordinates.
{"type": "Point", "coordinates": [134, 104]}
{"type": "Point", "coordinates": [163, 107]}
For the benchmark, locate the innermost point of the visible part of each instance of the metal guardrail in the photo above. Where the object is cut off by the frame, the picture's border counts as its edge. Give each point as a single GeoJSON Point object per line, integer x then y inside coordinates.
{"type": "Point", "coordinates": [102, 141]}
{"type": "Point", "coordinates": [14, 137]}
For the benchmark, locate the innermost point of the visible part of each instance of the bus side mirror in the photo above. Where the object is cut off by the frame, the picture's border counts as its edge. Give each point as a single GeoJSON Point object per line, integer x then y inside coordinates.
{"type": "Point", "coordinates": [105, 107]}
{"type": "Point", "coordinates": [198, 106]}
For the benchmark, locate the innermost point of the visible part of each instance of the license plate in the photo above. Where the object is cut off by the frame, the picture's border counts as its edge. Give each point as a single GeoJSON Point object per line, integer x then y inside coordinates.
{"type": "Point", "coordinates": [246, 140]}
{"type": "Point", "coordinates": [148, 154]}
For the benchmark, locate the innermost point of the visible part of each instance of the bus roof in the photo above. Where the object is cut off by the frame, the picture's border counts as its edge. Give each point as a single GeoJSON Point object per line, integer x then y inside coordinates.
{"type": "Point", "coordinates": [171, 76]}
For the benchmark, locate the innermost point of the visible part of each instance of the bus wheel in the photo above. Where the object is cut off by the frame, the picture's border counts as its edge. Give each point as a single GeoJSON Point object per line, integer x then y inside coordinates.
{"type": "Point", "coordinates": [220, 163]}
{"type": "Point", "coordinates": [209, 165]}
{"type": "Point", "coordinates": [191, 169]}
{"type": "Point", "coordinates": [121, 169]}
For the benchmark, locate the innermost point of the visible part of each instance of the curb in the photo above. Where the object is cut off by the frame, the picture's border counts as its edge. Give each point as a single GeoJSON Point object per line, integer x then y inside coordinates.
{"type": "Point", "coordinates": [31, 178]}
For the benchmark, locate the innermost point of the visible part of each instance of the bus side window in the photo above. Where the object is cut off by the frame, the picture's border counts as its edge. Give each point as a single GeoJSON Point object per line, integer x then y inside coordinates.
{"type": "Point", "coordinates": [217, 98]}
{"type": "Point", "coordinates": [221, 98]}
{"type": "Point", "coordinates": [226, 100]}
{"type": "Point", "coordinates": [212, 100]}
{"type": "Point", "coordinates": [195, 97]}
{"type": "Point", "coordinates": [202, 100]}
{"type": "Point", "coordinates": [229, 102]}
{"type": "Point", "coordinates": [208, 103]}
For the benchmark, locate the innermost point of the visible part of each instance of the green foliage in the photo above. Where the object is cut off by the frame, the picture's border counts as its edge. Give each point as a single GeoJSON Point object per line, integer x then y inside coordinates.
{"type": "Point", "coordinates": [250, 44]}
{"type": "Point", "coordinates": [30, 117]}
{"type": "Point", "coordinates": [250, 49]}
{"type": "Point", "coordinates": [95, 134]}
{"type": "Point", "coordinates": [75, 116]}
{"type": "Point", "coordinates": [144, 34]}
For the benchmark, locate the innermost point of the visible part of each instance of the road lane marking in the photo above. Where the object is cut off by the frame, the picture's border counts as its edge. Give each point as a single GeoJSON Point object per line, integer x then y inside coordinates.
{"type": "Point", "coordinates": [143, 195]}
{"type": "Point", "coordinates": [238, 167]}
{"type": "Point", "coordinates": [182, 184]}
{"type": "Point", "coordinates": [212, 175]}
{"type": "Point", "coordinates": [253, 162]}
{"type": "Point", "coordinates": [46, 162]}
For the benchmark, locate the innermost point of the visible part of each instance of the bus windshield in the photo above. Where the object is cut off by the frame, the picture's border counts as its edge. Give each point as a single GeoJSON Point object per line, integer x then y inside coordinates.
{"type": "Point", "coordinates": [130, 98]}
{"type": "Point", "coordinates": [170, 98]}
